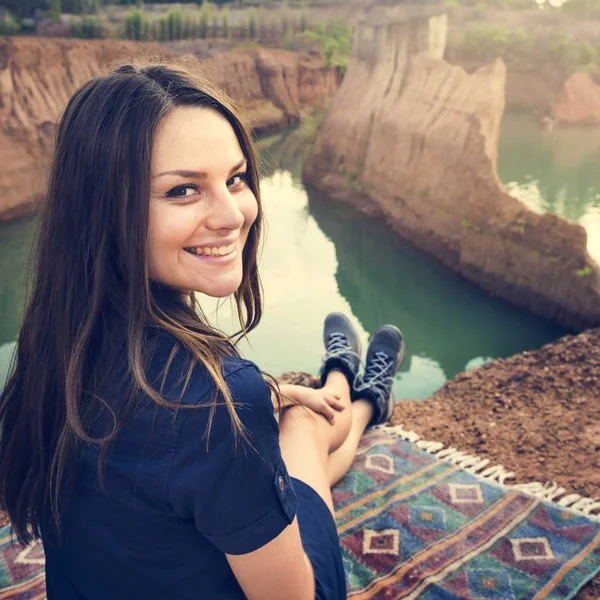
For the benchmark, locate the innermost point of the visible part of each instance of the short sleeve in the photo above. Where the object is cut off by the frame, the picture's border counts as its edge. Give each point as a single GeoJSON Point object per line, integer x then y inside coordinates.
{"type": "Point", "coordinates": [239, 499]}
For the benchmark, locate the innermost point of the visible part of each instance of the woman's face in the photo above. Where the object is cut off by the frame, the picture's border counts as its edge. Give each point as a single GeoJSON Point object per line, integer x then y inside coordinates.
{"type": "Point", "coordinates": [201, 207]}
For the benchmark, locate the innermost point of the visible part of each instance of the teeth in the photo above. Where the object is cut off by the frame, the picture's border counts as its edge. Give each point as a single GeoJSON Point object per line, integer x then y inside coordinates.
{"type": "Point", "coordinates": [221, 251]}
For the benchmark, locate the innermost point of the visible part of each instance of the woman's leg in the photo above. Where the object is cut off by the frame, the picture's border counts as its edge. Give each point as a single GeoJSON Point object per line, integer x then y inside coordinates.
{"type": "Point", "coordinates": [306, 439]}
{"type": "Point", "coordinates": [340, 461]}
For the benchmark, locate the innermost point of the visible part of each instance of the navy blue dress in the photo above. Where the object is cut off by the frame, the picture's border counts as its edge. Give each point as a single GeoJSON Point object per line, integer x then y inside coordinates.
{"type": "Point", "coordinates": [173, 506]}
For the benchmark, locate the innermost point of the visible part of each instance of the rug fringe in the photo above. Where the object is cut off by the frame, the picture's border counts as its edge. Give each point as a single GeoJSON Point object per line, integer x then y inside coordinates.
{"type": "Point", "coordinates": [549, 491]}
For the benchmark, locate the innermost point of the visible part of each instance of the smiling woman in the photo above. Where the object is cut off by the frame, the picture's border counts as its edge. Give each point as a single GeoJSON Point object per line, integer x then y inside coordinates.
{"type": "Point", "coordinates": [201, 206]}
{"type": "Point", "coordinates": [128, 417]}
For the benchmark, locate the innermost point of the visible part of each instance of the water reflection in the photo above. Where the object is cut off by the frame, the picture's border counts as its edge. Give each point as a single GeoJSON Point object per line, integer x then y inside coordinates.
{"type": "Point", "coordinates": [15, 243]}
{"type": "Point", "coordinates": [449, 323]}
{"type": "Point", "coordinates": [553, 171]}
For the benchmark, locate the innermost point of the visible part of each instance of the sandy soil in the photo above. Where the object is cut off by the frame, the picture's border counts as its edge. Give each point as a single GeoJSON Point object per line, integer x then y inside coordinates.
{"type": "Point", "coordinates": [536, 413]}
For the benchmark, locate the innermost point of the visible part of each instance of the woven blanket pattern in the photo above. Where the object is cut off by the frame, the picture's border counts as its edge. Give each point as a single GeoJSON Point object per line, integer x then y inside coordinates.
{"type": "Point", "coordinates": [21, 569]}
{"type": "Point", "coordinates": [413, 526]}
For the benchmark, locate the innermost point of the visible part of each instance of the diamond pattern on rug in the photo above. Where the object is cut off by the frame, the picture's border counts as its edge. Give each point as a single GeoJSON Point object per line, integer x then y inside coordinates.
{"type": "Point", "coordinates": [461, 493]}
{"type": "Point", "coordinates": [489, 584]}
{"type": "Point", "coordinates": [532, 549]}
{"type": "Point", "coordinates": [386, 541]}
{"type": "Point", "coordinates": [379, 462]}
{"type": "Point", "coordinates": [427, 516]}
{"type": "Point", "coordinates": [460, 537]}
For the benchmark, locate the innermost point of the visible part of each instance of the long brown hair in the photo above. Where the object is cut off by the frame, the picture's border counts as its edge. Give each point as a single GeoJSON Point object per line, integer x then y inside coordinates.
{"type": "Point", "coordinates": [90, 269]}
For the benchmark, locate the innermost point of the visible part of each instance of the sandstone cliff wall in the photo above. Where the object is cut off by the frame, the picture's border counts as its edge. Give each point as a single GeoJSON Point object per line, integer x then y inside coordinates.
{"type": "Point", "coordinates": [414, 139]}
{"type": "Point", "coordinates": [578, 101]}
{"type": "Point", "coordinates": [38, 75]}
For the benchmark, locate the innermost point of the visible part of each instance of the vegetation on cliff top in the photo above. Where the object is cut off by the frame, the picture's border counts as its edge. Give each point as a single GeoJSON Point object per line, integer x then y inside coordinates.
{"type": "Point", "coordinates": [486, 41]}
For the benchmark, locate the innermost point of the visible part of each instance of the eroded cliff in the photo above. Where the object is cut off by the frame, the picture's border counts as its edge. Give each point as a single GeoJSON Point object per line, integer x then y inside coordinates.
{"type": "Point", "coordinates": [37, 76]}
{"type": "Point", "coordinates": [415, 140]}
{"type": "Point", "coordinates": [578, 102]}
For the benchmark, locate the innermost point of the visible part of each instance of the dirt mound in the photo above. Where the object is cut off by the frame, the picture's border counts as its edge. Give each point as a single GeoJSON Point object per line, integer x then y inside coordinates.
{"type": "Point", "coordinates": [38, 75]}
{"type": "Point", "coordinates": [536, 413]}
{"type": "Point", "coordinates": [414, 139]}
{"type": "Point", "coordinates": [578, 102]}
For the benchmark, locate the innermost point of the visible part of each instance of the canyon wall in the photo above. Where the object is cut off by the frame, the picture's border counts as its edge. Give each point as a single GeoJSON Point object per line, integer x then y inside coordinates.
{"type": "Point", "coordinates": [414, 140]}
{"type": "Point", "coordinates": [578, 102]}
{"type": "Point", "coordinates": [38, 75]}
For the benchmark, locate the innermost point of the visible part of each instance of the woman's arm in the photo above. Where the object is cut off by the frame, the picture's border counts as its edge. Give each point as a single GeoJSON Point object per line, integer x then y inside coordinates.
{"type": "Point", "coordinates": [277, 571]}
{"type": "Point", "coordinates": [320, 401]}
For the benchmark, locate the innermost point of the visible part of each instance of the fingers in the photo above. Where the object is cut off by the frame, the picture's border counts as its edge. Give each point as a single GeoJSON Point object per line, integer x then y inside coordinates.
{"type": "Point", "coordinates": [329, 413]}
{"type": "Point", "coordinates": [334, 401]}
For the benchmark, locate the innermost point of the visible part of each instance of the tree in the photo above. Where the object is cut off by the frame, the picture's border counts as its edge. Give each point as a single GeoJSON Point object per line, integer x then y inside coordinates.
{"type": "Point", "coordinates": [252, 25]}
{"type": "Point", "coordinates": [203, 25]}
{"type": "Point", "coordinates": [8, 25]}
{"type": "Point", "coordinates": [225, 22]}
{"type": "Point", "coordinates": [24, 8]}
{"type": "Point", "coordinates": [135, 25]}
{"type": "Point", "coordinates": [335, 41]}
{"type": "Point", "coordinates": [55, 9]}
{"type": "Point", "coordinates": [589, 9]}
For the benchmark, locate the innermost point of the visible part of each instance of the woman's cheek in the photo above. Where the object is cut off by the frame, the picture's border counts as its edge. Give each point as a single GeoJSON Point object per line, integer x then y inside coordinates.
{"type": "Point", "coordinates": [249, 208]}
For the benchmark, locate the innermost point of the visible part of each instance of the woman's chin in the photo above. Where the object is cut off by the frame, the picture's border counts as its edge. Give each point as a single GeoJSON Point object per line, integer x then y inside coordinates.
{"type": "Point", "coordinates": [219, 289]}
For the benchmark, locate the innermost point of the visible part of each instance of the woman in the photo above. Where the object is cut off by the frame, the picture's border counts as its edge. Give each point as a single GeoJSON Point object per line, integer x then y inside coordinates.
{"type": "Point", "coordinates": [136, 441]}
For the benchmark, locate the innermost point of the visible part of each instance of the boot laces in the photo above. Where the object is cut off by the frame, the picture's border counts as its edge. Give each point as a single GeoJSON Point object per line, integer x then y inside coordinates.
{"type": "Point", "coordinates": [339, 346]}
{"type": "Point", "coordinates": [375, 375]}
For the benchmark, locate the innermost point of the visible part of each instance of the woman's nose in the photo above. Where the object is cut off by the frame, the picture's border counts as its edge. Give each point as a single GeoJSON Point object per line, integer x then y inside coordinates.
{"type": "Point", "coordinates": [224, 212]}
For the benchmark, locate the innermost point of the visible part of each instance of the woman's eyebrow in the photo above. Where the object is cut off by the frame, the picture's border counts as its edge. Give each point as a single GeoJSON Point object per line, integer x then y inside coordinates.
{"type": "Point", "coordinates": [198, 174]}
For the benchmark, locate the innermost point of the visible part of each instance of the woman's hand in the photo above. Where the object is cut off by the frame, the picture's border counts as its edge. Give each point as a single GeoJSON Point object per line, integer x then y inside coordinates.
{"type": "Point", "coordinates": [321, 401]}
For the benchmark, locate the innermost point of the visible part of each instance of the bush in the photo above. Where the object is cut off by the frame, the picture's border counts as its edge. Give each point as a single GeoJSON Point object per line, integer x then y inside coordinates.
{"type": "Point", "coordinates": [587, 9]}
{"type": "Point", "coordinates": [178, 26]}
{"type": "Point", "coordinates": [175, 23]}
{"type": "Point", "coordinates": [572, 55]}
{"type": "Point", "coordinates": [163, 29]}
{"type": "Point", "coordinates": [225, 23]}
{"type": "Point", "coordinates": [87, 27]}
{"type": "Point", "coordinates": [303, 21]}
{"type": "Point", "coordinates": [252, 26]}
{"type": "Point", "coordinates": [203, 24]}
{"type": "Point", "coordinates": [8, 24]}
{"type": "Point", "coordinates": [486, 41]}
{"type": "Point", "coordinates": [290, 42]}
{"type": "Point", "coordinates": [135, 25]}
{"type": "Point", "coordinates": [334, 40]}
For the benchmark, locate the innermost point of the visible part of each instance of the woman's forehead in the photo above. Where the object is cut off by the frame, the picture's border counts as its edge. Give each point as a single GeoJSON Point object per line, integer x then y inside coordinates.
{"type": "Point", "coordinates": [192, 138]}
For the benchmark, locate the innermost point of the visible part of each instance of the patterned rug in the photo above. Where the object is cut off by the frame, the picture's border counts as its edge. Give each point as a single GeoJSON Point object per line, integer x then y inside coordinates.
{"type": "Point", "coordinates": [442, 527]}
{"type": "Point", "coordinates": [420, 521]}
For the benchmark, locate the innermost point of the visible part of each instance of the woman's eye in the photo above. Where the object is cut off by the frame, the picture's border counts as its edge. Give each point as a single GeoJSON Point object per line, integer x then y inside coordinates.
{"type": "Point", "coordinates": [238, 181]}
{"type": "Point", "coordinates": [182, 191]}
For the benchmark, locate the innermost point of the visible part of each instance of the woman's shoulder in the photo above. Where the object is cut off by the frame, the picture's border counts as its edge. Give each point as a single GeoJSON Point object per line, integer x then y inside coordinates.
{"type": "Point", "coordinates": [242, 376]}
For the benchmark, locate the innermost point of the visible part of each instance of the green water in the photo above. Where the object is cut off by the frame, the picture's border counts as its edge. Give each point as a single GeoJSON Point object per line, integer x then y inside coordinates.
{"type": "Point", "coordinates": [554, 171]}
{"type": "Point", "coordinates": [320, 256]}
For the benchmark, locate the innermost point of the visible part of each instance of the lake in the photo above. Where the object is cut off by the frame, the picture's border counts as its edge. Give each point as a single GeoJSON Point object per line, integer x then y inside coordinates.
{"type": "Point", "coordinates": [320, 256]}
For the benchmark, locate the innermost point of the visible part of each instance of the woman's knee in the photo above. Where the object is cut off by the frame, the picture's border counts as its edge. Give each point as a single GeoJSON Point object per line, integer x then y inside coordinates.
{"type": "Point", "coordinates": [300, 417]}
